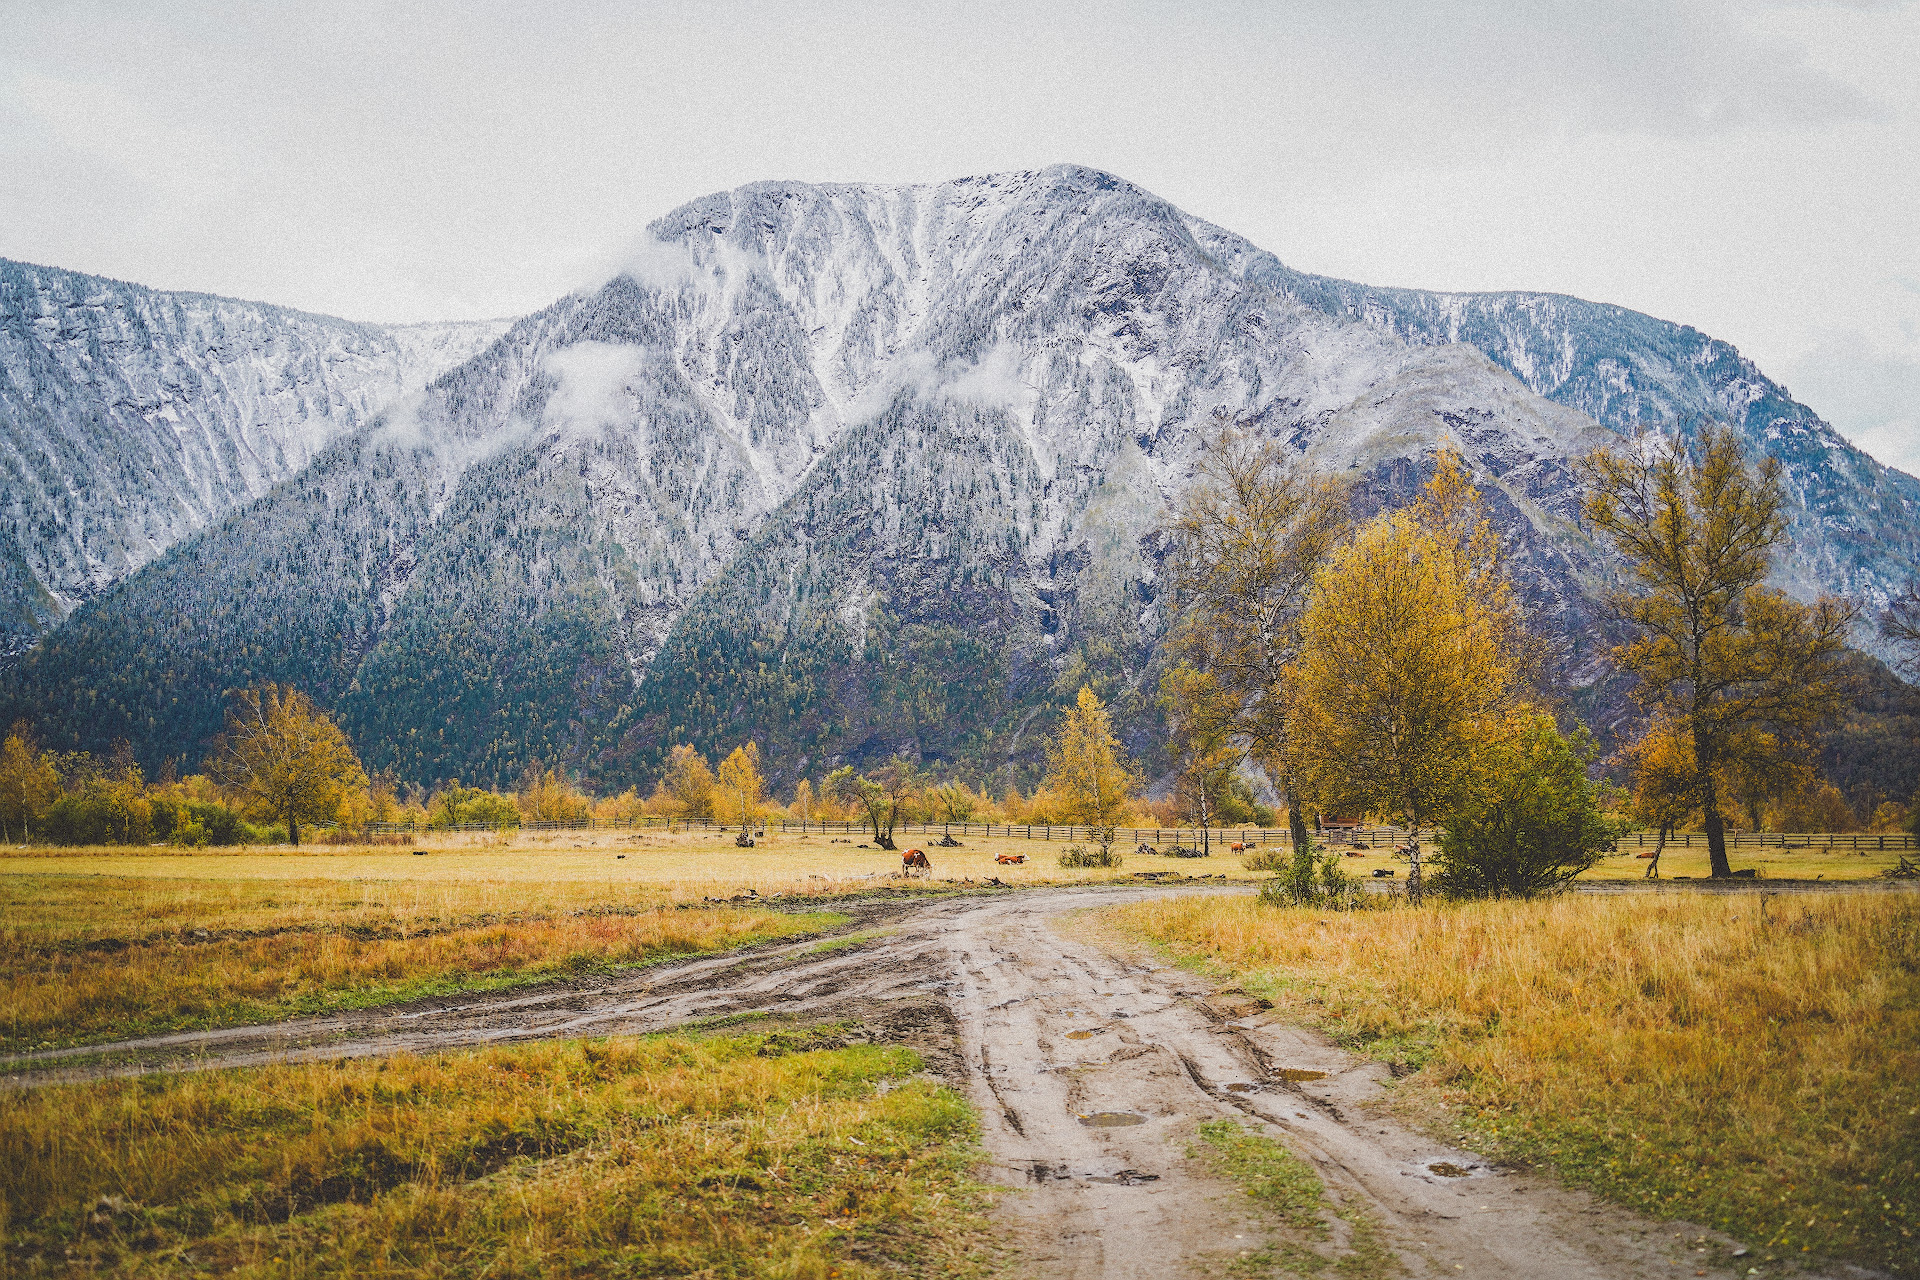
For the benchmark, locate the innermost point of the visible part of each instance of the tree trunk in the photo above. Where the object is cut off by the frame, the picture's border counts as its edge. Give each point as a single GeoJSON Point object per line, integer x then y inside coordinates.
{"type": "Point", "coordinates": [1659, 847]}
{"type": "Point", "coordinates": [293, 830]}
{"type": "Point", "coordinates": [1716, 830]}
{"type": "Point", "coordinates": [1413, 857]}
{"type": "Point", "coordinates": [1296, 820]}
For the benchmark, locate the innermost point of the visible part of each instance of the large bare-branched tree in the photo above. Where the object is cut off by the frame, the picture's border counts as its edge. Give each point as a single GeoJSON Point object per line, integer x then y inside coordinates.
{"type": "Point", "coordinates": [1248, 539]}
{"type": "Point", "coordinates": [1748, 674]}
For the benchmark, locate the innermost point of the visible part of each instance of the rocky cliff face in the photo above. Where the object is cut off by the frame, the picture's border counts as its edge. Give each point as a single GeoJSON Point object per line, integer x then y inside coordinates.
{"type": "Point", "coordinates": [846, 470]}
{"type": "Point", "coordinates": [130, 418]}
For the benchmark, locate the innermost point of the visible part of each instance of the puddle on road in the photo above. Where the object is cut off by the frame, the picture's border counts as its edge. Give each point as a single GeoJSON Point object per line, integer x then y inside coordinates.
{"type": "Point", "coordinates": [1111, 1119]}
{"type": "Point", "coordinates": [1294, 1075]}
{"type": "Point", "coordinates": [1087, 1034]}
{"type": "Point", "coordinates": [1125, 1178]}
{"type": "Point", "coordinates": [1241, 1086]}
{"type": "Point", "coordinates": [1447, 1169]}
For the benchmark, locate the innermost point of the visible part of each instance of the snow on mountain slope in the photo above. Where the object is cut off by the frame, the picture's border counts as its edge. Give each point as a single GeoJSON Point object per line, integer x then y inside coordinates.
{"type": "Point", "coordinates": [847, 470]}
{"type": "Point", "coordinates": [130, 418]}
{"type": "Point", "coordinates": [1856, 521]}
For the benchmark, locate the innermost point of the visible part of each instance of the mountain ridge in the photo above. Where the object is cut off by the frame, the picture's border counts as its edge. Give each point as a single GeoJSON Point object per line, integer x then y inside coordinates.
{"type": "Point", "coordinates": [131, 417]}
{"type": "Point", "coordinates": [850, 470]}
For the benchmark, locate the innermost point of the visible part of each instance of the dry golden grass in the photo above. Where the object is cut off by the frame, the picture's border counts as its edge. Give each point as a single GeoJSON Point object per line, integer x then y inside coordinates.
{"type": "Point", "coordinates": [1772, 863]}
{"type": "Point", "coordinates": [738, 1156]}
{"type": "Point", "coordinates": [679, 864]}
{"type": "Point", "coordinates": [1753, 1063]}
{"type": "Point", "coordinates": [102, 943]}
{"type": "Point", "coordinates": [92, 958]}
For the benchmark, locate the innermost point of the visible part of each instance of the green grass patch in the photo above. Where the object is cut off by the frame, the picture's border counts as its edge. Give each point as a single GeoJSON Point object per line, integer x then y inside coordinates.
{"type": "Point", "coordinates": [740, 1155]}
{"type": "Point", "coordinates": [1287, 1186]}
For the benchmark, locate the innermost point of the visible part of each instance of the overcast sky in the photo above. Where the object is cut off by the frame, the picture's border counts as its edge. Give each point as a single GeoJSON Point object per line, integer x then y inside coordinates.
{"type": "Point", "coordinates": [1750, 168]}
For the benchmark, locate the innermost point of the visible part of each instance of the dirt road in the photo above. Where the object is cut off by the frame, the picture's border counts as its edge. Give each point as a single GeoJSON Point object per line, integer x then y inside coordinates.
{"type": "Point", "coordinates": [1092, 1071]}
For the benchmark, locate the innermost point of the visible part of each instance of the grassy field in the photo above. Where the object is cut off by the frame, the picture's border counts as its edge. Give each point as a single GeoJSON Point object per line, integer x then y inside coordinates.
{"type": "Point", "coordinates": [772, 1155]}
{"type": "Point", "coordinates": [102, 943]}
{"type": "Point", "coordinates": [1739, 1061]}
{"type": "Point", "coordinates": [96, 948]}
{"type": "Point", "coordinates": [1745, 1063]}
{"type": "Point", "coordinates": [97, 944]}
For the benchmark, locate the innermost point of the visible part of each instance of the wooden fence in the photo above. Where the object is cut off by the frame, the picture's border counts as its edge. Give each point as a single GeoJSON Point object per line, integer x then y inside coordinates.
{"type": "Point", "coordinates": [1160, 837]}
{"type": "Point", "coordinates": [1819, 841]}
{"type": "Point", "coordinates": [1372, 838]}
{"type": "Point", "coordinates": [574, 824]}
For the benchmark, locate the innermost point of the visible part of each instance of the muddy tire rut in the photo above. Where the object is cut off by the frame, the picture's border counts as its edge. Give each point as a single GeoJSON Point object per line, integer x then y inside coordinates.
{"type": "Point", "coordinates": [1092, 1072]}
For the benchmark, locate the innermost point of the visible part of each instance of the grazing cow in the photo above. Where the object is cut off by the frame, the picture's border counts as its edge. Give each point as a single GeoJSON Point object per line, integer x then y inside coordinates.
{"type": "Point", "coordinates": [914, 860]}
{"type": "Point", "coordinates": [1006, 859]}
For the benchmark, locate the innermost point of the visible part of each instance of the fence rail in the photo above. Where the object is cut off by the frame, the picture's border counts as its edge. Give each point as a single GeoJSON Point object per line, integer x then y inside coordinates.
{"type": "Point", "coordinates": [1824, 841]}
{"type": "Point", "coordinates": [1363, 837]}
{"type": "Point", "coordinates": [574, 824]}
{"type": "Point", "coordinates": [1373, 838]}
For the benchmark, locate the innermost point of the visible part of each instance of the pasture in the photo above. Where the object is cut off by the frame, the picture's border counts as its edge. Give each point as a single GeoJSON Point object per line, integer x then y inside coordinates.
{"type": "Point", "coordinates": [1744, 1061]}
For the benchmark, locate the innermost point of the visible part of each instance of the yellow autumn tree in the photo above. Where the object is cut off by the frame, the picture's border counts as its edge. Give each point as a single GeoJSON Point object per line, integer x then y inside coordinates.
{"type": "Point", "coordinates": [286, 756]}
{"type": "Point", "coordinates": [1248, 538]}
{"type": "Point", "coordinates": [1087, 769]}
{"type": "Point", "coordinates": [1751, 674]}
{"type": "Point", "coordinates": [803, 802]}
{"type": "Point", "coordinates": [1408, 667]}
{"type": "Point", "coordinates": [546, 795]}
{"type": "Point", "coordinates": [1206, 758]}
{"type": "Point", "coordinates": [686, 786]}
{"type": "Point", "coordinates": [741, 787]}
{"type": "Point", "coordinates": [29, 782]}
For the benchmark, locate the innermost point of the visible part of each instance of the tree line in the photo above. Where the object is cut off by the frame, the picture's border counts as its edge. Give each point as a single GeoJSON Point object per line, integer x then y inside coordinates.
{"type": "Point", "coordinates": [1331, 669]}
{"type": "Point", "coordinates": [1388, 670]}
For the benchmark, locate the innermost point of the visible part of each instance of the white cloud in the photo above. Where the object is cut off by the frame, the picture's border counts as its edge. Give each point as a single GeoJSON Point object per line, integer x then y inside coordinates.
{"type": "Point", "coordinates": [596, 382]}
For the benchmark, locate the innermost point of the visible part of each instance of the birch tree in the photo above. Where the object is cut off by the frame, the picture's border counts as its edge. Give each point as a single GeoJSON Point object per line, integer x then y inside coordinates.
{"type": "Point", "coordinates": [1248, 539]}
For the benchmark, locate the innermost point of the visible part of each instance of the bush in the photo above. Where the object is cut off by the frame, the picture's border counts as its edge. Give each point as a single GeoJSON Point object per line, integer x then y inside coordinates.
{"type": "Point", "coordinates": [1306, 880]}
{"type": "Point", "coordinates": [194, 823]}
{"type": "Point", "coordinates": [460, 806]}
{"type": "Point", "coordinates": [1532, 821]}
{"type": "Point", "coordinates": [98, 813]}
{"type": "Point", "coordinates": [1080, 856]}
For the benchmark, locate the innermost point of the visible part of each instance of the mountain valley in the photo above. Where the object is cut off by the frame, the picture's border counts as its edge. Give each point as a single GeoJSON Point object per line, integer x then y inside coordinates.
{"type": "Point", "coordinates": [847, 470]}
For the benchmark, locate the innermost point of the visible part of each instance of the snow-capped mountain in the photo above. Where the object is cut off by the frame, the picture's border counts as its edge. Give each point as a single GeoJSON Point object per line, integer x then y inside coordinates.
{"type": "Point", "coordinates": [130, 417]}
{"type": "Point", "coordinates": [853, 469]}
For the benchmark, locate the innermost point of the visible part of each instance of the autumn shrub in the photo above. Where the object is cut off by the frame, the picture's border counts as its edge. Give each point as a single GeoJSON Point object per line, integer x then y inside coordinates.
{"type": "Point", "coordinates": [473, 806]}
{"type": "Point", "coordinates": [1080, 856]}
{"type": "Point", "coordinates": [98, 813]}
{"type": "Point", "coordinates": [194, 823]}
{"type": "Point", "coordinates": [1310, 880]}
{"type": "Point", "coordinates": [1531, 820]}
